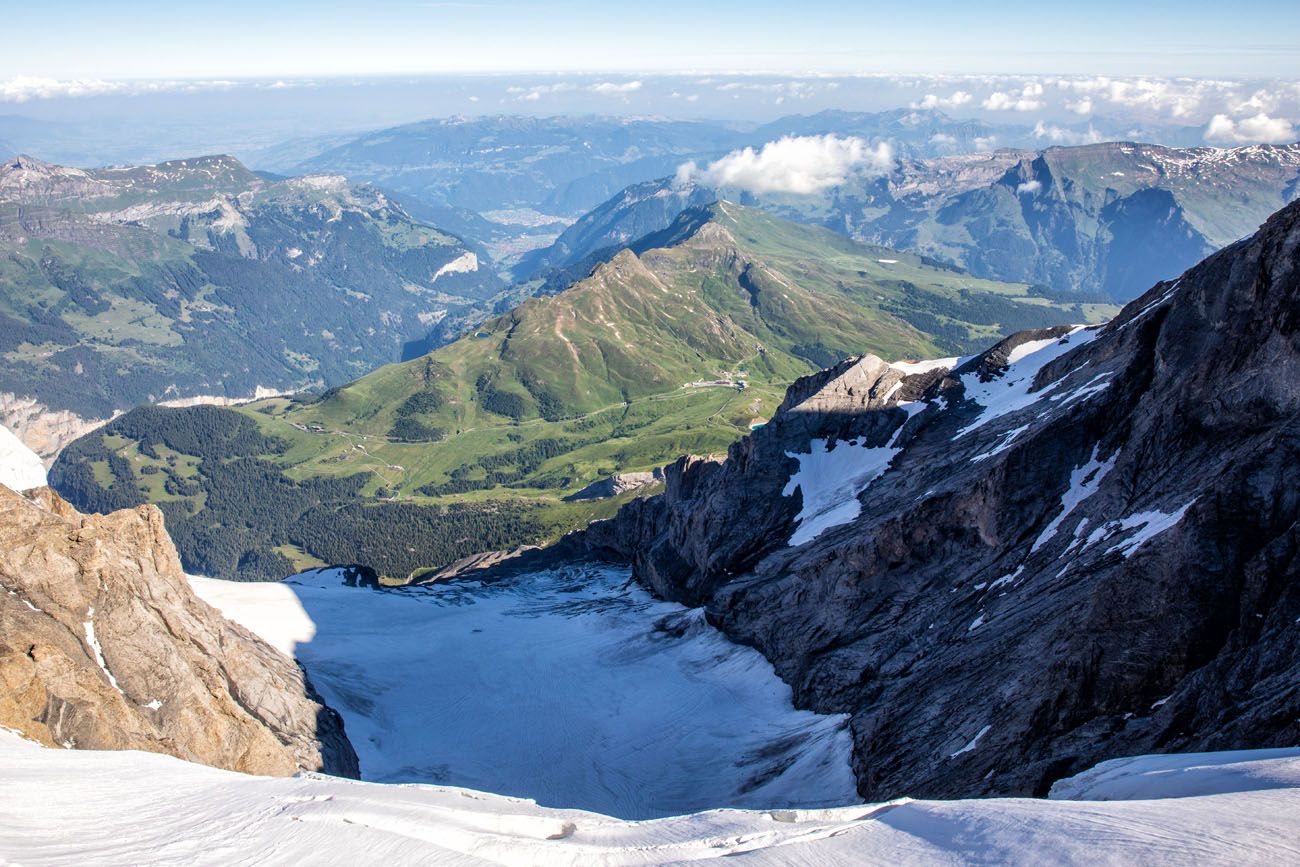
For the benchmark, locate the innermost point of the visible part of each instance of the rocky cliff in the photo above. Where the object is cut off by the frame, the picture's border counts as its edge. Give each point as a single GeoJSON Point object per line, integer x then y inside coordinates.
{"type": "Point", "coordinates": [104, 646]}
{"type": "Point", "coordinates": [1080, 544]}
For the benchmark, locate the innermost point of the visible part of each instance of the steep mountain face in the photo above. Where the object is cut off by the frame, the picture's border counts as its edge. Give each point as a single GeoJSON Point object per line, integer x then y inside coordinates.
{"type": "Point", "coordinates": [677, 346]}
{"type": "Point", "coordinates": [1081, 220]}
{"type": "Point", "coordinates": [128, 285]}
{"type": "Point", "coordinates": [1079, 544]}
{"type": "Point", "coordinates": [104, 646]}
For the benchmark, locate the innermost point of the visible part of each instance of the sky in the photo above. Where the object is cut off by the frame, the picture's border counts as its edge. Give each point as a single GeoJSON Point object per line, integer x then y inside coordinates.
{"type": "Point", "coordinates": [77, 39]}
{"type": "Point", "coordinates": [94, 82]}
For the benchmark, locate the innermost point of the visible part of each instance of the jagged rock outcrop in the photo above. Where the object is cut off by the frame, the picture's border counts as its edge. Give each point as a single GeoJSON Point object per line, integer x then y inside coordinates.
{"type": "Point", "coordinates": [104, 646]}
{"type": "Point", "coordinates": [619, 483]}
{"type": "Point", "coordinates": [1079, 545]}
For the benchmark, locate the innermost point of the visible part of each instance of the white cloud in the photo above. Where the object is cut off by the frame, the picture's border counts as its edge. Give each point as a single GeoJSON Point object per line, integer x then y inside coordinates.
{"type": "Point", "coordinates": [803, 164]}
{"type": "Point", "coordinates": [1250, 130]}
{"type": "Point", "coordinates": [1026, 100]}
{"type": "Point", "coordinates": [1179, 97]}
{"type": "Point", "coordinates": [1083, 106]}
{"type": "Point", "coordinates": [1259, 101]}
{"type": "Point", "coordinates": [23, 88]}
{"type": "Point", "coordinates": [930, 100]}
{"type": "Point", "coordinates": [537, 91]}
{"type": "Point", "coordinates": [610, 88]}
{"type": "Point", "coordinates": [1061, 135]}
{"type": "Point", "coordinates": [1029, 188]}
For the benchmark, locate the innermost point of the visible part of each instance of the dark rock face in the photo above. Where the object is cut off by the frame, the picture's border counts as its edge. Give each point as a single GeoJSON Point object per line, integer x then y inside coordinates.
{"type": "Point", "coordinates": [1074, 553]}
{"type": "Point", "coordinates": [103, 645]}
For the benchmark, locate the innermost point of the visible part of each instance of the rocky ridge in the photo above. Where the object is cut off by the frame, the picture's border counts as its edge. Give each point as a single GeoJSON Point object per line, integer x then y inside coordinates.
{"type": "Point", "coordinates": [103, 645]}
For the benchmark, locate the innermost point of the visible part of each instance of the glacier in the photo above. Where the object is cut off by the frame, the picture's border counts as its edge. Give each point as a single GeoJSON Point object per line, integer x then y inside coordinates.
{"type": "Point", "coordinates": [573, 687]}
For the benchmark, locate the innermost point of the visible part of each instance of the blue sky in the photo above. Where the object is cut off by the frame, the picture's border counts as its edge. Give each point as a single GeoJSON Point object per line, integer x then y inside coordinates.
{"type": "Point", "coordinates": [239, 38]}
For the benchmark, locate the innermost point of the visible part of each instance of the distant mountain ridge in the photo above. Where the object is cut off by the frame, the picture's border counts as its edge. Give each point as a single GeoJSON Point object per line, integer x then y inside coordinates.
{"type": "Point", "coordinates": [1102, 220]}
{"type": "Point", "coordinates": [135, 284]}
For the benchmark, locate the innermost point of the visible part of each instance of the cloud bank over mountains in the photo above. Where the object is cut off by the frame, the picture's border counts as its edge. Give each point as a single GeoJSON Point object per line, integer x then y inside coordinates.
{"type": "Point", "coordinates": [793, 164]}
{"type": "Point", "coordinates": [1219, 111]}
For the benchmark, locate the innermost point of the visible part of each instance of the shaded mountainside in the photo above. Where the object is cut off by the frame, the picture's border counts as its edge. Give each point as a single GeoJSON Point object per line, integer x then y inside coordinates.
{"type": "Point", "coordinates": [127, 285]}
{"type": "Point", "coordinates": [623, 371]}
{"type": "Point", "coordinates": [103, 645]}
{"type": "Point", "coordinates": [1075, 220]}
{"type": "Point", "coordinates": [1080, 544]}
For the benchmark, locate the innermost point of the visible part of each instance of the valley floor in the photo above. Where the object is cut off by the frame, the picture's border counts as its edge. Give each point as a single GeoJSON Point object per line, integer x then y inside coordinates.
{"type": "Point", "coordinates": [130, 808]}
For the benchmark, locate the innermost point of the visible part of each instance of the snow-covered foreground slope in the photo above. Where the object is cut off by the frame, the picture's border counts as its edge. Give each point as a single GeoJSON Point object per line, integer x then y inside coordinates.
{"type": "Point", "coordinates": [572, 687]}
{"type": "Point", "coordinates": [130, 808]}
{"type": "Point", "coordinates": [20, 467]}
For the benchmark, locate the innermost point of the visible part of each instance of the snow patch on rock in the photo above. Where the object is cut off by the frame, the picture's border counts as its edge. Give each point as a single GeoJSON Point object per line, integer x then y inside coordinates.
{"type": "Point", "coordinates": [20, 467]}
{"type": "Point", "coordinates": [1084, 482]}
{"type": "Point", "coordinates": [1013, 390]}
{"type": "Point", "coordinates": [465, 263]}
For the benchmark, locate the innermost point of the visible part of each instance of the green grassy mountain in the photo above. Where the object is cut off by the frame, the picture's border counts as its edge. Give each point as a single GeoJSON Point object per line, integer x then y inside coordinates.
{"type": "Point", "coordinates": [622, 372]}
{"type": "Point", "coordinates": [127, 285]}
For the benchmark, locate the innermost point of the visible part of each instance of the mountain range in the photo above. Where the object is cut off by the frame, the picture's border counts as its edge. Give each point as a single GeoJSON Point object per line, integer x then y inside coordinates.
{"type": "Point", "coordinates": [1128, 484]}
{"type": "Point", "coordinates": [1093, 221]}
{"type": "Point", "coordinates": [513, 183]}
{"type": "Point", "coordinates": [679, 344]}
{"type": "Point", "coordinates": [200, 278]}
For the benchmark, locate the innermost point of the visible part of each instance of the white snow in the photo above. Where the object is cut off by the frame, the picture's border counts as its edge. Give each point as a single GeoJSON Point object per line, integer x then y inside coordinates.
{"type": "Point", "coordinates": [89, 627]}
{"type": "Point", "coordinates": [1096, 385]}
{"type": "Point", "coordinates": [972, 744]}
{"type": "Point", "coordinates": [465, 263]}
{"type": "Point", "coordinates": [830, 480]}
{"type": "Point", "coordinates": [269, 610]}
{"type": "Point", "coordinates": [1185, 775]}
{"type": "Point", "coordinates": [1003, 444]}
{"type": "Point", "coordinates": [133, 808]}
{"type": "Point", "coordinates": [572, 687]}
{"type": "Point", "coordinates": [1011, 391]}
{"type": "Point", "coordinates": [910, 367]}
{"type": "Point", "coordinates": [1084, 482]}
{"type": "Point", "coordinates": [20, 467]}
{"type": "Point", "coordinates": [1169, 293]}
{"type": "Point", "coordinates": [1148, 526]}
{"type": "Point", "coordinates": [1007, 579]}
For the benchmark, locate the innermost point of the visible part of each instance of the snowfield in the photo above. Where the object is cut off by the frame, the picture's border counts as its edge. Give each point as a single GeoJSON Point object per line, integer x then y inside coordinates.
{"type": "Point", "coordinates": [132, 808]}
{"type": "Point", "coordinates": [573, 687]}
{"type": "Point", "coordinates": [20, 467]}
